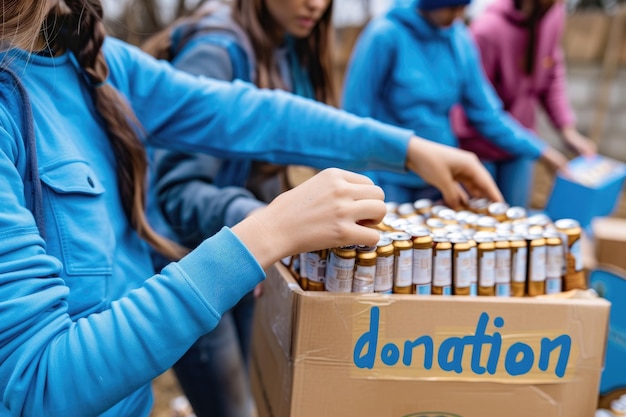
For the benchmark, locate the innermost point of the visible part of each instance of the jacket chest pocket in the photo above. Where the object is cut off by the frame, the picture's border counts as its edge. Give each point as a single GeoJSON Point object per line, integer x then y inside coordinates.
{"type": "Point", "coordinates": [78, 206]}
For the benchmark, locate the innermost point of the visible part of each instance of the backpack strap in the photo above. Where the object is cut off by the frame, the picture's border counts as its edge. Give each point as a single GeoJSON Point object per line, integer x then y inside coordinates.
{"type": "Point", "coordinates": [17, 102]}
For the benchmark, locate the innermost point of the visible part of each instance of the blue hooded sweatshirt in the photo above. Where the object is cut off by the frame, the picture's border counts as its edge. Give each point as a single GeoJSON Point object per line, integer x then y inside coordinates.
{"type": "Point", "coordinates": [85, 325]}
{"type": "Point", "coordinates": [406, 72]}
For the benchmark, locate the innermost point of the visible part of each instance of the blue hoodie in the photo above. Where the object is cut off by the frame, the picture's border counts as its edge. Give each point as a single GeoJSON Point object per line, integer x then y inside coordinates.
{"type": "Point", "coordinates": [406, 72]}
{"type": "Point", "coordinates": [85, 325]}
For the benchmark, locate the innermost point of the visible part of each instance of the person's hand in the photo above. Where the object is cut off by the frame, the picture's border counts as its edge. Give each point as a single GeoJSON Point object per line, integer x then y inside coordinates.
{"type": "Point", "coordinates": [555, 160]}
{"type": "Point", "coordinates": [332, 209]}
{"type": "Point", "coordinates": [579, 143]}
{"type": "Point", "coordinates": [453, 171]}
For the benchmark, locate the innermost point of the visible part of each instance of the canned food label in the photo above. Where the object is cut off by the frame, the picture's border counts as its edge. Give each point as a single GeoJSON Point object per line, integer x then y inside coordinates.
{"type": "Point", "coordinates": [339, 274]}
{"type": "Point", "coordinates": [303, 269]}
{"type": "Point", "coordinates": [447, 290]}
{"type": "Point", "coordinates": [366, 273]}
{"type": "Point", "coordinates": [503, 266]}
{"type": "Point", "coordinates": [404, 268]}
{"type": "Point", "coordinates": [503, 290]}
{"type": "Point", "coordinates": [518, 265]}
{"type": "Point", "coordinates": [487, 269]}
{"type": "Point", "coordinates": [554, 285]}
{"type": "Point", "coordinates": [383, 282]}
{"type": "Point", "coordinates": [442, 264]}
{"type": "Point", "coordinates": [422, 266]}
{"type": "Point", "coordinates": [462, 269]}
{"type": "Point", "coordinates": [314, 267]}
{"type": "Point", "coordinates": [474, 289]}
{"type": "Point", "coordinates": [362, 286]}
{"type": "Point", "coordinates": [554, 261]}
{"type": "Point", "coordinates": [423, 289]}
{"type": "Point", "coordinates": [537, 270]}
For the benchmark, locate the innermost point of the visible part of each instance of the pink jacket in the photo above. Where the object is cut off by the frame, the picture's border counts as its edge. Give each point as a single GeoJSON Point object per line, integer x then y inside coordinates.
{"type": "Point", "coordinates": [502, 39]}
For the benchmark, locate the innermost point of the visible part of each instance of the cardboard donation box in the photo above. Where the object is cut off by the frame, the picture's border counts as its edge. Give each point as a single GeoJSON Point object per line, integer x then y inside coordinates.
{"type": "Point", "coordinates": [592, 190]}
{"type": "Point", "coordinates": [321, 354]}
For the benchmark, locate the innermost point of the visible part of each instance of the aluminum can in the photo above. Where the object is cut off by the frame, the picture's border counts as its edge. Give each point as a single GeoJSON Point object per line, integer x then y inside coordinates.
{"type": "Point", "coordinates": [479, 205]}
{"type": "Point", "coordinates": [519, 259]}
{"type": "Point", "coordinates": [442, 265]}
{"type": "Point", "coordinates": [340, 269]}
{"type": "Point", "coordinates": [406, 210]}
{"type": "Point", "coordinates": [503, 266]}
{"type": "Point", "coordinates": [487, 224]}
{"type": "Point", "coordinates": [486, 264]}
{"type": "Point", "coordinates": [313, 264]}
{"type": "Point", "coordinates": [422, 260]}
{"type": "Point", "coordinates": [423, 206]}
{"type": "Point", "coordinates": [516, 213]}
{"type": "Point", "coordinates": [573, 274]}
{"type": "Point", "coordinates": [383, 281]}
{"type": "Point", "coordinates": [536, 281]}
{"type": "Point", "coordinates": [364, 269]}
{"type": "Point", "coordinates": [403, 266]}
{"type": "Point", "coordinates": [461, 265]}
{"type": "Point", "coordinates": [498, 211]}
{"type": "Point", "coordinates": [554, 262]}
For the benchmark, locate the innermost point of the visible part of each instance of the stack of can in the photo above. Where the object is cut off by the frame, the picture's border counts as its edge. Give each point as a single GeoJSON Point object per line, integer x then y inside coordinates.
{"type": "Point", "coordinates": [489, 249]}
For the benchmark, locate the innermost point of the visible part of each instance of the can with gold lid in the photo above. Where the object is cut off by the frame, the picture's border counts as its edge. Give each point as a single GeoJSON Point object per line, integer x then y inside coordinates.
{"type": "Point", "coordinates": [340, 269]}
{"type": "Point", "coordinates": [442, 265]}
{"type": "Point", "coordinates": [536, 264]}
{"type": "Point", "coordinates": [436, 225]}
{"type": "Point", "coordinates": [479, 205]}
{"type": "Point", "coordinates": [498, 210]}
{"type": "Point", "coordinates": [503, 266]}
{"type": "Point", "coordinates": [486, 224]}
{"type": "Point", "coordinates": [423, 206]}
{"type": "Point", "coordinates": [385, 224]}
{"type": "Point", "coordinates": [364, 269]}
{"type": "Point", "coordinates": [516, 213]}
{"type": "Point", "coordinates": [469, 235]}
{"type": "Point", "coordinates": [383, 280]}
{"type": "Point", "coordinates": [403, 266]}
{"type": "Point", "coordinates": [573, 275]}
{"type": "Point", "coordinates": [461, 264]}
{"type": "Point", "coordinates": [554, 262]}
{"type": "Point", "coordinates": [519, 259]}
{"type": "Point", "coordinates": [301, 274]}
{"type": "Point", "coordinates": [406, 210]}
{"type": "Point", "coordinates": [314, 266]}
{"type": "Point", "coordinates": [422, 260]}
{"type": "Point", "coordinates": [486, 263]}
{"type": "Point", "coordinates": [448, 216]}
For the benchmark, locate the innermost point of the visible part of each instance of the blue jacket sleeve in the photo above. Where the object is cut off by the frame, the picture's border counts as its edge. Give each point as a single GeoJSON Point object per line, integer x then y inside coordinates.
{"type": "Point", "coordinates": [54, 366]}
{"type": "Point", "coordinates": [364, 83]}
{"type": "Point", "coordinates": [269, 125]}
{"type": "Point", "coordinates": [485, 111]}
{"type": "Point", "coordinates": [191, 203]}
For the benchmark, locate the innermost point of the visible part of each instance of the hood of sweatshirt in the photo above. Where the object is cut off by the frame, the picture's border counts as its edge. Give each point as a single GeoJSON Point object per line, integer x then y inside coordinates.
{"type": "Point", "coordinates": [407, 14]}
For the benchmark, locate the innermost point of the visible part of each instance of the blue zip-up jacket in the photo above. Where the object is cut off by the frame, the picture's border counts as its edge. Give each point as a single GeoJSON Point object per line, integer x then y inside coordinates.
{"type": "Point", "coordinates": [84, 324]}
{"type": "Point", "coordinates": [409, 73]}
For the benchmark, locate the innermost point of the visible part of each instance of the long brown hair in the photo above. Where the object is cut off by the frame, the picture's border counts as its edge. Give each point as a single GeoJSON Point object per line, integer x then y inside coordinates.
{"type": "Point", "coordinates": [314, 51]}
{"type": "Point", "coordinates": [21, 22]}
{"type": "Point", "coordinates": [82, 32]}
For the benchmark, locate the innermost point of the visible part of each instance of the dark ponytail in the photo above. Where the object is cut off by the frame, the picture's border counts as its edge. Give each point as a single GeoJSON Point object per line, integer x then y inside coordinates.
{"type": "Point", "coordinates": [82, 32]}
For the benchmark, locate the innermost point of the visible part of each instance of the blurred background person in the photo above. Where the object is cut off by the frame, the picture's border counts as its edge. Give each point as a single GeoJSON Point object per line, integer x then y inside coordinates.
{"type": "Point", "coordinates": [520, 45]}
{"type": "Point", "coordinates": [410, 67]}
{"type": "Point", "coordinates": [276, 44]}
